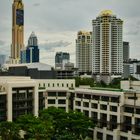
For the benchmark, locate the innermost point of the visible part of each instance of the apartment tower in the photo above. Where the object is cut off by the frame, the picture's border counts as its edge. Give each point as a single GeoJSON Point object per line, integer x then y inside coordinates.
{"type": "Point", "coordinates": [107, 45]}
{"type": "Point", "coordinates": [84, 52]}
{"type": "Point", "coordinates": [17, 30]}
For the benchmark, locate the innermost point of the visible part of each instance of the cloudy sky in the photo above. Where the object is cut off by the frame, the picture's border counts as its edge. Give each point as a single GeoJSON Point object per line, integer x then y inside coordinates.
{"type": "Point", "coordinates": [56, 23]}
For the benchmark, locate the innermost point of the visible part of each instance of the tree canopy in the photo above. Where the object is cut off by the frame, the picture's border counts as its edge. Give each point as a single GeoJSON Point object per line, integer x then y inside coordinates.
{"type": "Point", "coordinates": [52, 124]}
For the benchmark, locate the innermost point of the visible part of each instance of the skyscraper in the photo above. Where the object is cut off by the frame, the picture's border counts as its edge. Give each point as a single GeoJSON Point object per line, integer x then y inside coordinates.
{"type": "Point", "coordinates": [31, 53]}
{"type": "Point", "coordinates": [84, 52]}
{"type": "Point", "coordinates": [2, 59]}
{"type": "Point", "coordinates": [33, 41]}
{"type": "Point", "coordinates": [107, 45]}
{"type": "Point", "coordinates": [61, 58]}
{"type": "Point", "coordinates": [125, 51]}
{"type": "Point", "coordinates": [17, 30]}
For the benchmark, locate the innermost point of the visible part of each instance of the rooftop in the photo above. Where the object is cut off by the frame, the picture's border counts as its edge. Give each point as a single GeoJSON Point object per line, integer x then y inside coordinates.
{"type": "Point", "coordinates": [39, 66]}
{"type": "Point", "coordinates": [106, 13]}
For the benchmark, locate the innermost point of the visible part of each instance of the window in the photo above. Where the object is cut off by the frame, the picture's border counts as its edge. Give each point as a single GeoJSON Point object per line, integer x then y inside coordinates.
{"type": "Point", "coordinates": [133, 98]}
{"type": "Point", "coordinates": [104, 98]}
{"type": "Point", "coordinates": [52, 94]}
{"type": "Point", "coordinates": [85, 104]}
{"type": "Point", "coordinates": [87, 96]}
{"type": "Point", "coordinates": [94, 115]}
{"type": "Point", "coordinates": [96, 97]}
{"type": "Point", "coordinates": [62, 94]}
{"type": "Point", "coordinates": [129, 109]}
{"type": "Point", "coordinates": [109, 137]}
{"type": "Point", "coordinates": [123, 138]}
{"type": "Point", "coordinates": [61, 101]}
{"type": "Point", "coordinates": [137, 111]}
{"type": "Point", "coordinates": [113, 108]}
{"type": "Point", "coordinates": [94, 105]}
{"type": "Point", "coordinates": [86, 113]}
{"type": "Point", "coordinates": [99, 136]}
{"type": "Point", "coordinates": [115, 99]}
{"type": "Point", "coordinates": [103, 107]}
{"type": "Point", "coordinates": [79, 96]}
{"type": "Point", "coordinates": [50, 101]}
{"type": "Point", "coordinates": [78, 103]}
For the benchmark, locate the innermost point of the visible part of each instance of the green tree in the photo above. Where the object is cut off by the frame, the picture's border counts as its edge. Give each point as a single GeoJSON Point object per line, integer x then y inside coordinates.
{"type": "Point", "coordinates": [72, 125]}
{"type": "Point", "coordinates": [84, 81]}
{"type": "Point", "coordinates": [34, 127]}
{"type": "Point", "coordinates": [9, 131]}
{"type": "Point", "coordinates": [115, 83]}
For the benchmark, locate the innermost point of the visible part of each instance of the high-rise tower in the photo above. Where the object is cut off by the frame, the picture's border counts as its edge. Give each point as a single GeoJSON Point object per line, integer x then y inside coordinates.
{"type": "Point", "coordinates": [17, 30]}
{"type": "Point", "coordinates": [107, 44]}
{"type": "Point", "coordinates": [31, 53]}
{"type": "Point", "coordinates": [84, 52]}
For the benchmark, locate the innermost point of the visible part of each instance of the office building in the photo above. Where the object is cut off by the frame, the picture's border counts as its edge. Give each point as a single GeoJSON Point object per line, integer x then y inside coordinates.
{"type": "Point", "coordinates": [31, 53]}
{"type": "Point", "coordinates": [107, 53]}
{"type": "Point", "coordinates": [17, 31]}
{"type": "Point", "coordinates": [33, 41]}
{"type": "Point", "coordinates": [126, 52]}
{"type": "Point", "coordinates": [2, 60]}
{"type": "Point", "coordinates": [131, 68]}
{"type": "Point", "coordinates": [84, 52]}
{"type": "Point", "coordinates": [61, 58]}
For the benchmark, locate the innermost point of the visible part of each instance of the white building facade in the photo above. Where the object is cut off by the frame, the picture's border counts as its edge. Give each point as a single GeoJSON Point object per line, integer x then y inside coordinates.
{"type": "Point", "coordinates": [107, 52]}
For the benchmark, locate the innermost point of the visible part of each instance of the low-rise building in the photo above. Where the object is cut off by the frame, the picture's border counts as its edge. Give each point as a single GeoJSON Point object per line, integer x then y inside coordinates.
{"type": "Point", "coordinates": [18, 96]}
{"type": "Point", "coordinates": [116, 112]}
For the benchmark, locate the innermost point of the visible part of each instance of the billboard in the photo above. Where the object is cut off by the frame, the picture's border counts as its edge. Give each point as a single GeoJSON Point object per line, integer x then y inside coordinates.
{"type": "Point", "coordinates": [19, 17]}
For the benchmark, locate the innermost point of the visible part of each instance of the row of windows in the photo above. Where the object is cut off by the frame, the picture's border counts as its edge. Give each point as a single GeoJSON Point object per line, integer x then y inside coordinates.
{"type": "Point", "coordinates": [96, 97]}
{"type": "Point", "coordinates": [58, 85]}
{"type": "Point", "coordinates": [95, 106]}
{"type": "Point", "coordinates": [53, 101]}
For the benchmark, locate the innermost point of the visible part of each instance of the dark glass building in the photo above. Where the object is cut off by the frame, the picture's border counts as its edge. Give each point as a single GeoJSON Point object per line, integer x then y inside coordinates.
{"type": "Point", "coordinates": [60, 58]}
{"type": "Point", "coordinates": [31, 53]}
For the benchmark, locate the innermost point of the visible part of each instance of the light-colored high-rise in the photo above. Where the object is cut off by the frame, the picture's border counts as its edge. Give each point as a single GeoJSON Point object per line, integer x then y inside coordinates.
{"type": "Point", "coordinates": [17, 30]}
{"type": "Point", "coordinates": [107, 44]}
{"type": "Point", "coordinates": [84, 51]}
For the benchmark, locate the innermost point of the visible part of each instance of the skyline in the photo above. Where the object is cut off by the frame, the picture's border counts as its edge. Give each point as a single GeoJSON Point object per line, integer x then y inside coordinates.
{"type": "Point", "coordinates": [54, 31]}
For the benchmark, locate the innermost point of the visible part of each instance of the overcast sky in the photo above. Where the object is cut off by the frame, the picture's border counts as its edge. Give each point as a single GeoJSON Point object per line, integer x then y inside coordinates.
{"type": "Point", "coordinates": [56, 23]}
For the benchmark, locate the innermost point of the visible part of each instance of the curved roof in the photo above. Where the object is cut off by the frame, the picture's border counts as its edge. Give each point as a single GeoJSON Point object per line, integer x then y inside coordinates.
{"type": "Point", "coordinates": [106, 13]}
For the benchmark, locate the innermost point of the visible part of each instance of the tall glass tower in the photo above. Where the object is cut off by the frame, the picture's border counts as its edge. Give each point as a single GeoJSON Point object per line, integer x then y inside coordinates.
{"type": "Point", "coordinates": [31, 53]}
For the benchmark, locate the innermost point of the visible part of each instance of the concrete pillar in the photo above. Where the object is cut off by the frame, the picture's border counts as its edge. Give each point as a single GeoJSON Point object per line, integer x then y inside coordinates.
{"type": "Point", "coordinates": [89, 108]}
{"type": "Point", "coordinates": [133, 124]}
{"type": "Point", "coordinates": [116, 135]}
{"type": "Point", "coordinates": [36, 100]}
{"type": "Point", "coordinates": [95, 134]}
{"type": "Point", "coordinates": [104, 134]}
{"type": "Point", "coordinates": [9, 104]}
